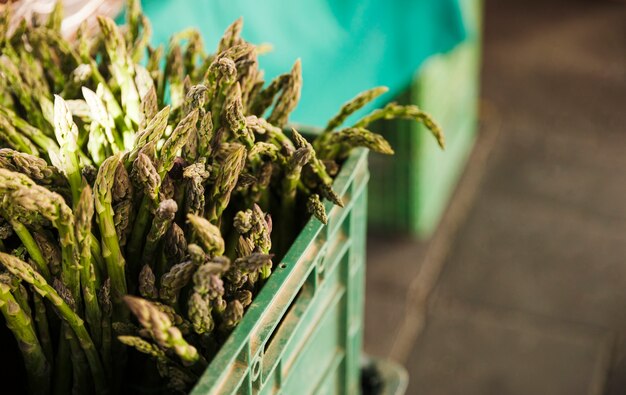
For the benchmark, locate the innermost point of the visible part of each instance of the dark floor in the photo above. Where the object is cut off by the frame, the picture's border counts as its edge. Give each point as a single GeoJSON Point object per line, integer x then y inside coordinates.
{"type": "Point", "coordinates": [522, 290]}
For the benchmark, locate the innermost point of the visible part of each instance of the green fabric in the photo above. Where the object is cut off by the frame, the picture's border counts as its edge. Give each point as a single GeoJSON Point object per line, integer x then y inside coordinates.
{"type": "Point", "coordinates": [346, 46]}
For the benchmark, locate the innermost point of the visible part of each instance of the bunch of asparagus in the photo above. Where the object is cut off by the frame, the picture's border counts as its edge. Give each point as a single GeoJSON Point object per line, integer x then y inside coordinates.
{"type": "Point", "coordinates": [127, 187]}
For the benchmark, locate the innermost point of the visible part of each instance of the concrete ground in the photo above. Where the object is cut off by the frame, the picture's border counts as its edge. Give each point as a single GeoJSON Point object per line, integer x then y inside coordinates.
{"type": "Point", "coordinates": [522, 289]}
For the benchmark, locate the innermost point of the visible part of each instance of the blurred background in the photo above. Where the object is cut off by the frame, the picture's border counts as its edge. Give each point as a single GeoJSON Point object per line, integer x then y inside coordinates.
{"type": "Point", "coordinates": [497, 266]}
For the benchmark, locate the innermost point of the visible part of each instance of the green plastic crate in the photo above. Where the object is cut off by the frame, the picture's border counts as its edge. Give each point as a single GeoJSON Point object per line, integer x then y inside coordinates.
{"type": "Point", "coordinates": [303, 332]}
{"type": "Point", "coordinates": [411, 190]}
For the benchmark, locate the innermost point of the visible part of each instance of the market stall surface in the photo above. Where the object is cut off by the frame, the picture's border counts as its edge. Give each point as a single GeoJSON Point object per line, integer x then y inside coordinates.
{"type": "Point", "coordinates": [522, 290]}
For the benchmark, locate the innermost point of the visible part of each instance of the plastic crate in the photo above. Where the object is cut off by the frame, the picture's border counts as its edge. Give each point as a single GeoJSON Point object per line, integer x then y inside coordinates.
{"type": "Point", "coordinates": [303, 332]}
{"type": "Point", "coordinates": [410, 191]}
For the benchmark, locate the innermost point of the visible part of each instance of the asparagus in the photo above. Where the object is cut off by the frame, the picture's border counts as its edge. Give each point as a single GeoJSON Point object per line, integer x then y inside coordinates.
{"type": "Point", "coordinates": [22, 270]}
{"type": "Point", "coordinates": [31, 246]}
{"type": "Point", "coordinates": [208, 234]}
{"type": "Point", "coordinates": [176, 141]}
{"type": "Point", "coordinates": [147, 285]}
{"type": "Point", "coordinates": [174, 72]}
{"type": "Point", "coordinates": [35, 168]}
{"type": "Point", "coordinates": [394, 110]}
{"type": "Point", "coordinates": [104, 298]}
{"type": "Point", "coordinates": [163, 218]}
{"type": "Point", "coordinates": [143, 346]}
{"type": "Point", "coordinates": [84, 215]}
{"type": "Point", "coordinates": [168, 151]}
{"type": "Point", "coordinates": [288, 98]}
{"type": "Point", "coordinates": [232, 315]}
{"type": "Point", "coordinates": [226, 181]}
{"type": "Point", "coordinates": [340, 143]}
{"type": "Point", "coordinates": [146, 177]}
{"type": "Point", "coordinates": [196, 175]}
{"type": "Point", "coordinates": [161, 329]}
{"type": "Point", "coordinates": [111, 251]}
{"type": "Point", "coordinates": [293, 169]}
{"type": "Point", "coordinates": [66, 133]}
{"type": "Point", "coordinates": [174, 280]}
{"type": "Point", "coordinates": [32, 200]}
{"type": "Point", "coordinates": [37, 365]}
{"type": "Point", "coordinates": [175, 244]}
{"type": "Point", "coordinates": [50, 250]}
{"type": "Point", "coordinates": [121, 67]}
{"type": "Point", "coordinates": [43, 327]}
{"type": "Point", "coordinates": [200, 313]}
{"type": "Point", "coordinates": [354, 105]}
{"type": "Point", "coordinates": [316, 208]}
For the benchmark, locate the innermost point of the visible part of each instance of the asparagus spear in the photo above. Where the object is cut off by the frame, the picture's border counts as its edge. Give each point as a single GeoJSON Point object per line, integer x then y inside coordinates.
{"type": "Point", "coordinates": [232, 315]}
{"type": "Point", "coordinates": [200, 313]}
{"type": "Point", "coordinates": [31, 246]}
{"type": "Point", "coordinates": [80, 372]}
{"type": "Point", "coordinates": [176, 141]}
{"type": "Point", "coordinates": [84, 214]}
{"type": "Point", "coordinates": [163, 218]}
{"type": "Point", "coordinates": [316, 207]}
{"type": "Point", "coordinates": [168, 152]}
{"type": "Point", "coordinates": [37, 365]}
{"type": "Point", "coordinates": [143, 346]}
{"type": "Point", "coordinates": [147, 283]}
{"type": "Point", "coordinates": [175, 244]}
{"type": "Point", "coordinates": [235, 119]}
{"type": "Point", "coordinates": [289, 97]}
{"type": "Point", "coordinates": [66, 133]}
{"type": "Point", "coordinates": [174, 280]}
{"type": "Point", "coordinates": [43, 327]}
{"type": "Point", "coordinates": [22, 270]}
{"type": "Point", "coordinates": [35, 168]}
{"type": "Point", "coordinates": [121, 67]}
{"type": "Point", "coordinates": [208, 234]}
{"type": "Point", "coordinates": [394, 110]}
{"type": "Point", "coordinates": [50, 250]}
{"type": "Point", "coordinates": [195, 175]}
{"type": "Point", "coordinates": [111, 251]}
{"type": "Point", "coordinates": [339, 144]}
{"type": "Point", "coordinates": [226, 181]}
{"type": "Point", "coordinates": [146, 177]}
{"type": "Point", "coordinates": [33, 200]}
{"type": "Point", "coordinates": [174, 73]}
{"type": "Point", "coordinates": [354, 105]}
{"type": "Point", "coordinates": [161, 329]}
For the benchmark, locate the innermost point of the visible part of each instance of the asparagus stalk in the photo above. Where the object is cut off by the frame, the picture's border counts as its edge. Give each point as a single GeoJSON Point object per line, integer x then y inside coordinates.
{"type": "Point", "coordinates": [121, 67]}
{"type": "Point", "coordinates": [66, 133]}
{"type": "Point", "coordinates": [161, 329]}
{"type": "Point", "coordinates": [289, 97]}
{"type": "Point", "coordinates": [316, 208]}
{"type": "Point", "coordinates": [394, 110]}
{"type": "Point", "coordinates": [84, 214]}
{"type": "Point", "coordinates": [147, 283]}
{"type": "Point", "coordinates": [111, 251]}
{"type": "Point", "coordinates": [33, 200]}
{"type": "Point", "coordinates": [32, 247]}
{"type": "Point", "coordinates": [170, 148]}
{"type": "Point", "coordinates": [22, 270]}
{"type": "Point", "coordinates": [208, 234]}
{"type": "Point", "coordinates": [37, 365]}
{"type": "Point", "coordinates": [354, 105]}
{"type": "Point", "coordinates": [43, 327]}
{"type": "Point", "coordinates": [226, 181]}
{"type": "Point", "coordinates": [163, 218]}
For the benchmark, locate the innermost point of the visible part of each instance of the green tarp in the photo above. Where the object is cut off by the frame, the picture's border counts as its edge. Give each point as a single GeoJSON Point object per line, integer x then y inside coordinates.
{"type": "Point", "coordinates": [346, 46]}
